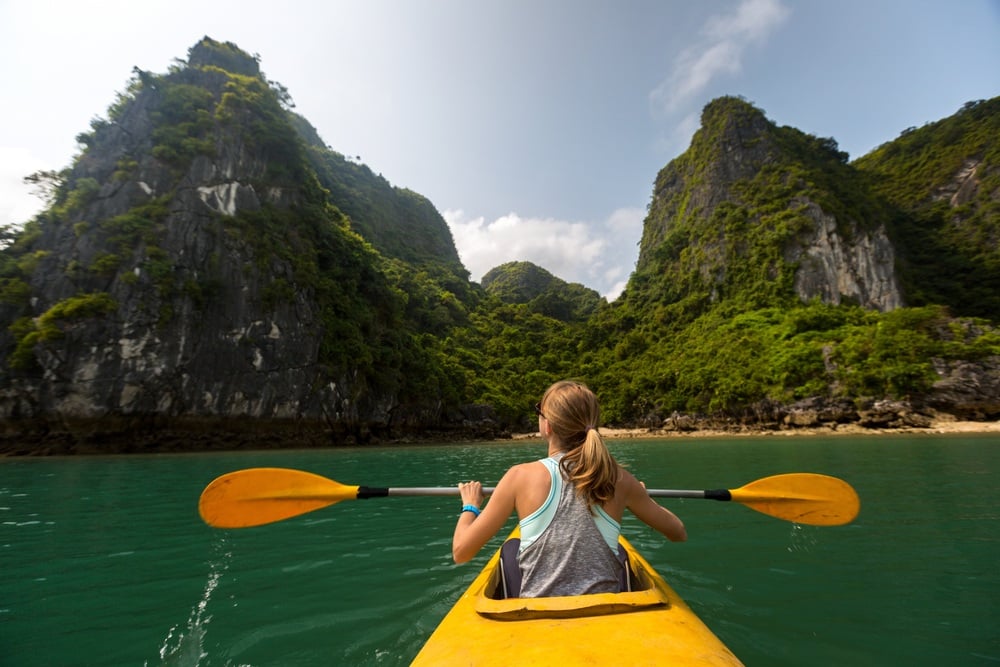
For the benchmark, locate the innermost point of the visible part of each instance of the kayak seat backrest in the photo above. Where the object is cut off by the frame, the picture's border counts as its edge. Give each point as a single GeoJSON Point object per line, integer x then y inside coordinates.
{"type": "Point", "coordinates": [510, 571]}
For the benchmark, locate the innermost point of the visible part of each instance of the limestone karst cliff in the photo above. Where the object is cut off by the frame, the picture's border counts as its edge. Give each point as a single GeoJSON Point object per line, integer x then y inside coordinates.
{"type": "Point", "coordinates": [193, 266]}
{"type": "Point", "coordinates": [752, 200]}
{"type": "Point", "coordinates": [208, 272]}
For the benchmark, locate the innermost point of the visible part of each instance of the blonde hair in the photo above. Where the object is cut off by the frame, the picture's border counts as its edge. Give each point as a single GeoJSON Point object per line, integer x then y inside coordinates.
{"type": "Point", "coordinates": [573, 414]}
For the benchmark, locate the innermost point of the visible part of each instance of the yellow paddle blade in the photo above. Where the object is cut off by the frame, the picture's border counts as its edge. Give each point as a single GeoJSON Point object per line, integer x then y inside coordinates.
{"type": "Point", "coordinates": [802, 497]}
{"type": "Point", "coordinates": [256, 496]}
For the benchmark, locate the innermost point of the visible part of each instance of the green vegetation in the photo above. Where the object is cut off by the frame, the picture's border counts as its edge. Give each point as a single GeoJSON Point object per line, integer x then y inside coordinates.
{"type": "Point", "coordinates": [251, 106]}
{"type": "Point", "coordinates": [83, 192]}
{"type": "Point", "coordinates": [944, 179]}
{"type": "Point", "coordinates": [50, 325]}
{"type": "Point", "coordinates": [542, 292]}
{"type": "Point", "coordinates": [727, 362]}
{"type": "Point", "coordinates": [719, 236]}
{"type": "Point", "coordinates": [398, 222]}
{"type": "Point", "coordinates": [183, 122]}
{"type": "Point", "coordinates": [709, 322]}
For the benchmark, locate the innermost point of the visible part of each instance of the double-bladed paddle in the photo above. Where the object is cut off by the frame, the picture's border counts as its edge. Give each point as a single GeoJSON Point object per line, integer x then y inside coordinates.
{"type": "Point", "coordinates": [258, 496]}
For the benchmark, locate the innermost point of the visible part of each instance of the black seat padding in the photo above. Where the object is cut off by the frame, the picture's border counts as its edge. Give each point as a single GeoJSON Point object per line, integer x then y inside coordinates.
{"type": "Point", "coordinates": [510, 571]}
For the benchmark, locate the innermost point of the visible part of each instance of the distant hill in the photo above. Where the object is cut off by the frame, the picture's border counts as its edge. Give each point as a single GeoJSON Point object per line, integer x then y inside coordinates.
{"type": "Point", "coordinates": [399, 222]}
{"type": "Point", "coordinates": [530, 284]}
{"type": "Point", "coordinates": [757, 215]}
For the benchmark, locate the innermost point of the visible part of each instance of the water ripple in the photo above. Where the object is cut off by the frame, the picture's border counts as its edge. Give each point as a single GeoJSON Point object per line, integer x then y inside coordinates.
{"type": "Point", "coordinates": [106, 562]}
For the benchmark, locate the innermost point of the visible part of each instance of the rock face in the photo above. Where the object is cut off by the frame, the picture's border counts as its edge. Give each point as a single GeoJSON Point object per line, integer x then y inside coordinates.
{"type": "Point", "coordinates": [858, 267]}
{"type": "Point", "coordinates": [176, 277]}
{"type": "Point", "coordinates": [164, 352]}
{"type": "Point", "coordinates": [967, 389]}
{"type": "Point", "coordinates": [962, 189]}
{"type": "Point", "coordinates": [744, 178]}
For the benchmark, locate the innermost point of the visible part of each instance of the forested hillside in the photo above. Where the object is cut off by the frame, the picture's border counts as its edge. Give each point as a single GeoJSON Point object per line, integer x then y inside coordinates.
{"type": "Point", "coordinates": [542, 292]}
{"type": "Point", "coordinates": [769, 289]}
{"type": "Point", "coordinates": [944, 180]}
{"type": "Point", "coordinates": [207, 272]}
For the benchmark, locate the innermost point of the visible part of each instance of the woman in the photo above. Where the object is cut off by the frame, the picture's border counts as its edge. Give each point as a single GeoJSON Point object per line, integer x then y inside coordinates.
{"type": "Point", "coordinates": [569, 505]}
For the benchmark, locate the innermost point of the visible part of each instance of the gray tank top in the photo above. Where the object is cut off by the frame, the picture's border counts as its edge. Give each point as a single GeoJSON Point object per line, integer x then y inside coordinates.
{"type": "Point", "coordinates": [570, 557]}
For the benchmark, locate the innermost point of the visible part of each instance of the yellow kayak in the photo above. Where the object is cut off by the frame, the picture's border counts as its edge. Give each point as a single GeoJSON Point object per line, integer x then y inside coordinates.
{"type": "Point", "coordinates": [648, 625]}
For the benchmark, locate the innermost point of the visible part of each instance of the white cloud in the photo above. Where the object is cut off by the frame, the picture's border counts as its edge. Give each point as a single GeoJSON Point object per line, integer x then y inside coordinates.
{"type": "Point", "coordinates": [752, 21]}
{"type": "Point", "coordinates": [719, 51]}
{"type": "Point", "coordinates": [600, 256]}
{"type": "Point", "coordinates": [627, 220]}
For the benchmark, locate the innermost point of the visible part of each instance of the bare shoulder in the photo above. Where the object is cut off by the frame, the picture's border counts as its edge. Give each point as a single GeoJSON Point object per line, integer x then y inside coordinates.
{"type": "Point", "coordinates": [521, 472]}
{"type": "Point", "coordinates": [525, 486]}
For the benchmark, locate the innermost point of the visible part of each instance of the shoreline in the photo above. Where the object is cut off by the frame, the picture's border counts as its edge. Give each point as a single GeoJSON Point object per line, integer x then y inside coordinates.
{"type": "Point", "coordinates": [111, 444]}
{"type": "Point", "coordinates": [937, 427]}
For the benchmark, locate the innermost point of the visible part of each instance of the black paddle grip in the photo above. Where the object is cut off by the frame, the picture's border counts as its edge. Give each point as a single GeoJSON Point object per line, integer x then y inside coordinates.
{"type": "Point", "coordinates": [717, 494]}
{"type": "Point", "coordinates": [372, 492]}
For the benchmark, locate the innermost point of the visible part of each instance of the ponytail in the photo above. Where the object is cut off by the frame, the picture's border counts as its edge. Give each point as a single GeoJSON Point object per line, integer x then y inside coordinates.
{"type": "Point", "coordinates": [592, 469]}
{"type": "Point", "coordinates": [573, 413]}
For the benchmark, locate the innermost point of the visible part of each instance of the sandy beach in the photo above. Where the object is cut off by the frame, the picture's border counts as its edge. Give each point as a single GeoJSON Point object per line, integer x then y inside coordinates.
{"type": "Point", "coordinates": [939, 426]}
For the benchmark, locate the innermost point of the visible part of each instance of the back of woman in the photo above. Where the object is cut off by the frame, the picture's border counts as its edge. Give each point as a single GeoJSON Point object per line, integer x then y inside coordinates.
{"type": "Point", "coordinates": [570, 512]}
{"type": "Point", "coordinates": [571, 549]}
{"type": "Point", "coordinates": [569, 555]}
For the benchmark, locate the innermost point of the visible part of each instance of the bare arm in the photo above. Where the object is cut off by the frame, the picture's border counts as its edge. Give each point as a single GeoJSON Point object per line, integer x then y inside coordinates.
{"type": "Point", "coordinates": [472, 532]}
{"type": "Point", "coordinates": [650, 512]}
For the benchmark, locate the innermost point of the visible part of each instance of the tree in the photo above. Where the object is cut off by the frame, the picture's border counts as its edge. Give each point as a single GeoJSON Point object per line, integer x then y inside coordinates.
{"type": "Point", "coordinates": [46, 184]}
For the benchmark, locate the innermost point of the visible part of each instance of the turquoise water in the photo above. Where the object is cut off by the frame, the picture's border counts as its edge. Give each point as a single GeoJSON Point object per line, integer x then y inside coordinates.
{"type": "Point", "coordinates": [106, 562]}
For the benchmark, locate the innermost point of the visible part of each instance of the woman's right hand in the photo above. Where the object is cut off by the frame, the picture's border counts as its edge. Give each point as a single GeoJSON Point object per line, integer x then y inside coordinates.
{"type": "Point", "coordinates": [471, 492]}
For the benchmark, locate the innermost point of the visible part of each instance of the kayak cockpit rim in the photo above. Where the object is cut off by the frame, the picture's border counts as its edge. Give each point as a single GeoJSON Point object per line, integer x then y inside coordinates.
{"type": "Point", "coordinates": [489, 600]}
{"type": "Point", "coordinates": [598, 604]}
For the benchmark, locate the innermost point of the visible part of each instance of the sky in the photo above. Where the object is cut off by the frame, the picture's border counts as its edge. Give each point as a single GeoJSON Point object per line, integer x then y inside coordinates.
{"type": "Point", "coordinates": [536, 127]}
